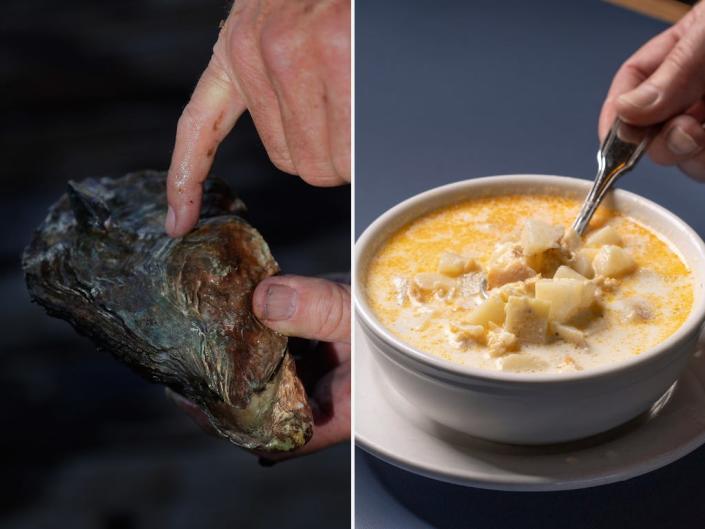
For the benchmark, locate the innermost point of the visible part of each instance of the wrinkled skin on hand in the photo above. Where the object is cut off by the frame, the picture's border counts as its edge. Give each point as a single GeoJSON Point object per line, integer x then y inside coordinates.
{"type": "Point", "coordinates": [287, 64]}
{"type": "Point", "coordinates": [663, 83]}
{"type": "Point", "coordinates": [178, 311]}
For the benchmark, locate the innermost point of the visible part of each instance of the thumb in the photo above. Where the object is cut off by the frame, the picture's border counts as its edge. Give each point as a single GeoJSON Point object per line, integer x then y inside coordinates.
{"type": "Point", "coordinates": [676, 85]}
{"type": "Point", "coordinates": [305, 307]}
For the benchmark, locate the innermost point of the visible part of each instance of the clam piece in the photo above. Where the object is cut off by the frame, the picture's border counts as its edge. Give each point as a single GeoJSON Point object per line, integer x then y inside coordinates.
{"type": "Point", "coordinates": [507, 265]}
{"type": "Point", "coordinates": [175, 310]}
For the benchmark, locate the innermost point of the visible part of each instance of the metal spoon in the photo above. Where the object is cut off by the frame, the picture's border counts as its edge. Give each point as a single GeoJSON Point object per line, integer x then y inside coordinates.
{"type": "Point", "coordinates": [618, 154]}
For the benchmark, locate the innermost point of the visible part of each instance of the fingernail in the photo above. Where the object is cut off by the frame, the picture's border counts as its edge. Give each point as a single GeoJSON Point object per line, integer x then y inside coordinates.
{"type": "Point", "coordinates": [279, 303]}
{"type": "Point", "coordinates": [170, 222]}
{"type": "Point", "coordinates": [680, 142]}
{"type": "Point", "coordinates": [641, 97]}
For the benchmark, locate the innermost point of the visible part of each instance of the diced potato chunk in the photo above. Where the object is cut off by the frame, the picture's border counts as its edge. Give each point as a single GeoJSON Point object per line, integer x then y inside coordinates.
{"type": "Point", "coordinates": [603, 236]}
{"type": "Point", "coordinates": [490, 310]}
{"type": "Point", "coordinates": [569, 334]}
{"type": "Point", "coordinates": [522, 362]}
{"type": "Point", "coordinates": [507, 265]}
{"type": "Point", "coordinates": [566, 297]}
{"type": "Point", "coordinates": [527, 319]}
{"type": "Point", "coordinates": [613, 261]}
{"type": "Point", "coordinates": [582, 262]}
{"type": "Point", "coordinates": [537, 237]}
{"type": "Point", "coordinates": [453, 265]}
{"type": "Point", "coordinates": [566, 272]}
{"type": "Point", "coordinates": [500, 342]}
{"type": "Point", "coordinates": [431, 281]}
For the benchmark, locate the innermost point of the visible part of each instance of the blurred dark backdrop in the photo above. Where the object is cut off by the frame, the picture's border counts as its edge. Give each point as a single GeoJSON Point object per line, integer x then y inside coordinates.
{"type": "Point", "coordinates": [95, 88]}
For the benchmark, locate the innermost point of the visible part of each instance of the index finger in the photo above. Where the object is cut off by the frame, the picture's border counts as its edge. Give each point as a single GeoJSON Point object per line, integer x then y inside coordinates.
{"type": "Point", "coordinates": [635, 70]}
{"type": "Point", "coordinates": [208, 117]}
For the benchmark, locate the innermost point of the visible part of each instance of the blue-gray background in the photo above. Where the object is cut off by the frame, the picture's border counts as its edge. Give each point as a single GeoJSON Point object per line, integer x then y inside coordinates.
{"type": "Point", "coordinates": [91, 88]}
{"type": "Point", "coordinates": [448, 90]}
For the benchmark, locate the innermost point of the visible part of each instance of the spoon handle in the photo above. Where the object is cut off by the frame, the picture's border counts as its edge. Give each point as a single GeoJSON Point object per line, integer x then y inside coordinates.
{"type": "Point", "coordinates": [620, 151]}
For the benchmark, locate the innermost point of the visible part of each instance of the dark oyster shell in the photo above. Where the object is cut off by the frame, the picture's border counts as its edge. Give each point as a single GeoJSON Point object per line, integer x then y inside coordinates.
{"type": "Point", "coordinates": [175, 310]}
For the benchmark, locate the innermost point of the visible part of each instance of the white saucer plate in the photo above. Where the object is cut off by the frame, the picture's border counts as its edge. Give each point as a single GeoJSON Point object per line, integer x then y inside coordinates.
{"type": "Point", "coordinates": [388, 427]}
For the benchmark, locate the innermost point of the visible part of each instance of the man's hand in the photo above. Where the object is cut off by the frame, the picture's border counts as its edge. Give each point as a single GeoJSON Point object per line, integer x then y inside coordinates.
{"type": "Point", "coordinates": [288, 64]}
{"type": "Point", "coordinates": [664, 81]}
{"type": "Point", "coordinates": [319, 310]}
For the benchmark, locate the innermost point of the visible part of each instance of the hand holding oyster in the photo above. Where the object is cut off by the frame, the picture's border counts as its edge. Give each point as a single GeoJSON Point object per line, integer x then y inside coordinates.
{"type": "Point", "coordinates": [178, 311]}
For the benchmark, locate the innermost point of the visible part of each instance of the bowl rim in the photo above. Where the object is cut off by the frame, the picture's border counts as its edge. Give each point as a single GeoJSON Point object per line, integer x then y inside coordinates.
{"type": "Point", "coordinates": [370, 323]}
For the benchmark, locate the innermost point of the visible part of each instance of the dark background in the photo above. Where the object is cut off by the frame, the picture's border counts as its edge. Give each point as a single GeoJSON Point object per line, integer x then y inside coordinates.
{"type": "Point", "coordinates": [94, 88]}
{"type": "Point", "coordinates": [448, 90]}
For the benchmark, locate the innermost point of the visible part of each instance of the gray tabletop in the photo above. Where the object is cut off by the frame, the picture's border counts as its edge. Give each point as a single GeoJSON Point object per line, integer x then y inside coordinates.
{"type": "Point", "coordinates": [453, 90]}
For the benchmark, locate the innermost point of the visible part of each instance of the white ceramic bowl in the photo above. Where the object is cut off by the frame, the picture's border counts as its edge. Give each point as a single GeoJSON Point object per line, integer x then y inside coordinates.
{"type": "Point", "coordinates": [530, 408]}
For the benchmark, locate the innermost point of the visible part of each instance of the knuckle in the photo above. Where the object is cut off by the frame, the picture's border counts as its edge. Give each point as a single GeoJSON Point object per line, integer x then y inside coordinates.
{"type": "Point", "coordinates": [691, 19]}
{"type": "Point", "coordinates": [679, 65]}
{"type": "Point", "coordinates": [280, 44]}
{"type": "Point", "coordinates": [632, 70]}
{"type": "Point", "coordinates": [189, 120]}
{"type": "Point", "coordinates": [217, 72]}
{"type": "Point", "coordinates": [238, 39]}
{"type": "Point", "coordinates": [240, 48]}
{"type": "Point", "coordinates": [237, 29]}
{"type": "Point", "coordinates": [332, 35]}
{"type": "Point", "coordinates": [679, 58]}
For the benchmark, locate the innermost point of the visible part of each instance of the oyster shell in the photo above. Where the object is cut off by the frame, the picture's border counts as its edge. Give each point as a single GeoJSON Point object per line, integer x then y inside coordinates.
{"type": "Point", "coordinates": [175, 310]}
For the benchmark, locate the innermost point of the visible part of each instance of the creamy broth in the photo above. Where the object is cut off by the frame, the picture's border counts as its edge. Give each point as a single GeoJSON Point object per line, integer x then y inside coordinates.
{"type": "Point", "coordinates": [628, 312]}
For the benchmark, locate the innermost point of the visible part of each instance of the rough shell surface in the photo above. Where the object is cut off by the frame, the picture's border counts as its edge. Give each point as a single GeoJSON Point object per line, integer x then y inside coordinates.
{"type": "Point", "coordinates": [175, 310]}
